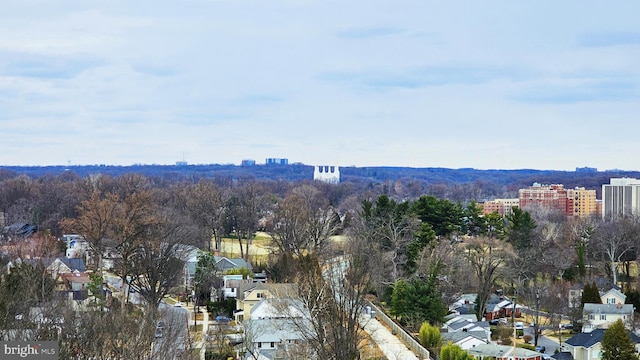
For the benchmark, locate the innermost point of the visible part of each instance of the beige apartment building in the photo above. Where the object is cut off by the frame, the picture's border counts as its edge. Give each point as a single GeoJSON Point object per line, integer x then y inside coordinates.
{"type": "Point", "coordinates": [501, 206]}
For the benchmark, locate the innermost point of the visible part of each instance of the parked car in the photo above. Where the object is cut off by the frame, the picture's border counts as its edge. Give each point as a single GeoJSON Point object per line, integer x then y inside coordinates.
{"type": "Point", "coordinates": [178, 304]}
{"type": "Point", "coordinates": [541, 349]}
{"type": "Point", "coordinates": [519, 325]}
{"type": "Point", "coordinates": [159, 332]}
{"type": "Point", "coordinates": [222, 319]}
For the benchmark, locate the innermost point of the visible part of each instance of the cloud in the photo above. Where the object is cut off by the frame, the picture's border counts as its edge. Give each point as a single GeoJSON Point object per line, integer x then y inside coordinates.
{"type": "Point", "coordinates": [609, 39]}
{"type": "Point", "coordinates": [426, 76]}
{"type": "Point", "coordinates": [368, 32]}
{"type": "Point", "coordinates": [23, 64]}
{"type": "Point", "coordinates": [594, 91]}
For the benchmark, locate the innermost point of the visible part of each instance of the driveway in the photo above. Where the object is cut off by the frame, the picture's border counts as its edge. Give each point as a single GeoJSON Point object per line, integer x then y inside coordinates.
{"type": "Point", "coordinates": [390, 345]}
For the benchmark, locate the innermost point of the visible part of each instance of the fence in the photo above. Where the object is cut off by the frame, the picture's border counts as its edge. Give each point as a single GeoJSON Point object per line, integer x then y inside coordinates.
{"type": "Point", "coordinates": [412, 343]}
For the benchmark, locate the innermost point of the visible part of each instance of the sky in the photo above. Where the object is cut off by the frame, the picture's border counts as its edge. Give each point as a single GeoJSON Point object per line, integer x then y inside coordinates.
{"type": "Point", "coordinates": [455, 84]}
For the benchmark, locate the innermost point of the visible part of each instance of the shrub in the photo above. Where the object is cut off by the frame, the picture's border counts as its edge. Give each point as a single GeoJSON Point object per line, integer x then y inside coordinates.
{"type": "Point", "coordinates": [527, 338]}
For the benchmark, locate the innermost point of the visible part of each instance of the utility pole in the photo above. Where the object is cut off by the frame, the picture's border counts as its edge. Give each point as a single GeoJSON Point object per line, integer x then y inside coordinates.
{"type": "Point", "coordinates": [536, 326]}
{"type": "Point", "coordinates": [513, 323]}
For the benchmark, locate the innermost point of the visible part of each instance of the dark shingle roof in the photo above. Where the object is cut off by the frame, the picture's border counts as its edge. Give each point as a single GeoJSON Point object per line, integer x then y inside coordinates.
{"type": "Point", "coordinates": [589, 339]}
{"type": "Point", "coordinates": [562, 356]}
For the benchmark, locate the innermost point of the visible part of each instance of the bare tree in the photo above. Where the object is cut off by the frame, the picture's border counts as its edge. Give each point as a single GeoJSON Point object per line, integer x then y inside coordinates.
{"type": "Point", "coordinates": [613, 240]}
{"type": "Point", "coordinates": [156, 265]}
{"type": "Point", "coordinates": [486, 256]}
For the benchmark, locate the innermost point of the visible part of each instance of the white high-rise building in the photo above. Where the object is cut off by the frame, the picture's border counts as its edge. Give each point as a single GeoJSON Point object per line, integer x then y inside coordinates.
{"type": "Point", "coordinates": [620, 197]}
{"type": "Point", "coordinates": [327, 173]}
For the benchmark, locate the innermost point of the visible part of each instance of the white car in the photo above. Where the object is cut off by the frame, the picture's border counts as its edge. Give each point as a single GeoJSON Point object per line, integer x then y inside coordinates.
{"type": "Point", "coordinates": [519, 325]}
{"type": "Point", "coordinates": [178, 304]}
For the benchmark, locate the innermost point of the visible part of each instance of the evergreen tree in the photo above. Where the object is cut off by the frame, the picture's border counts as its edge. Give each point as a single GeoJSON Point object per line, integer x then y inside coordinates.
{"type": "Point", "coordinates": [452, 351]}
{"type": "Point", "coordinates": [430, 337]}
{"type": "Point", "coordinates": [520, 229]}
{"type": "Point", "coordinates": [590, 294]}
{"type": "Point", "coordinates": [616, 343]}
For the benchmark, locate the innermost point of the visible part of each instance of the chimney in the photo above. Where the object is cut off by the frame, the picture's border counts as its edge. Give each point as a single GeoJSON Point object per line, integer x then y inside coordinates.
{"type": "Point", "coordinates": [619, 305]}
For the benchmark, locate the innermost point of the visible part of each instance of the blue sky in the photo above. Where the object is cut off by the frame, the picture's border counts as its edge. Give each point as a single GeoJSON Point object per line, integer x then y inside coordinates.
{"type": "Point", "coordinates": [489, 85]}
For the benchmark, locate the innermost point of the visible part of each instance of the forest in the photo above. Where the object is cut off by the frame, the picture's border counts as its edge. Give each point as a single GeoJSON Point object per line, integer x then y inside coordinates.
{"type": "Point", "coordinates": [411, 247]}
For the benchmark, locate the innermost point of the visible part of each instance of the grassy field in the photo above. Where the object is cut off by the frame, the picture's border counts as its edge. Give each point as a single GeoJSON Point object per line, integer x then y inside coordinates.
{"type": "Point", "coordinates": [259, 250]}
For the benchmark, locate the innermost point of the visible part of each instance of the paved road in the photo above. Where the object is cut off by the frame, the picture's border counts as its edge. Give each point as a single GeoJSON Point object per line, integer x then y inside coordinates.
{"type": "Point", "coordinates": [392, 347]}
{"type": "Point", "coordinates": [548, 343]}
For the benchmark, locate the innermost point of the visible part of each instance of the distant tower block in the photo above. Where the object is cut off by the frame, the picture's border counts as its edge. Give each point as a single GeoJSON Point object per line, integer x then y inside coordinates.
{"type": "Point", "coordinates": [328, 174]}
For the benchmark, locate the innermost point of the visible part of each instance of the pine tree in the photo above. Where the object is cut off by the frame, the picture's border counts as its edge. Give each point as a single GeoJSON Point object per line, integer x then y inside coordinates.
{"type": "Point", "coordinates": [616, 343]}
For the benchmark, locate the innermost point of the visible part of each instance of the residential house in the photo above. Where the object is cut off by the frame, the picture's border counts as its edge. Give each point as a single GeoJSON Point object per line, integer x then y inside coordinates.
{"type": "Point", "coordinates": [279, 308]}
{"type": "Point", "coordinates": [464, 304]}
{"type": "Point", "coordinates": [278, 328]}
{"type": "Point", "coordinates": [500, 307]}
{"type": "Point", "coordinates": [53, 266]}
{"type": "Point", "coordinates": [613, 296]}
{"type": "Point", "coordinates": [63, 265]}
{"type": "Point", "coordinates": [248, 295]}
{"type": "Point", "coordinates": [480, 329]}
{"type": "Point", "coordinates": [277, 339]}
{"type": "Point", "coordinates": [609, 293]}
{"type": "Point", "coordinates": [587, 345]}
{"type": "Point", "coordinates": [231, 283]}
{"type": "Point", "coordinates": [503, 352]}
{"type": "Point", "coordinates": [75, 284]}
{"type": "Point", "coordinates": [466, 340]}
{"type": "Point", "coordinates": [600, 316]}
{"type": "Point", "coordinates": [225, 264]}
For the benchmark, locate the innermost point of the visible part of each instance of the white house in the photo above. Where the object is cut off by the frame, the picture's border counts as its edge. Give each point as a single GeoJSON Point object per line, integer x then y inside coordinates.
{"type": "Point", "coordinates": [600, 316]}
{"type": "Point", "coordinates": [613, 296]}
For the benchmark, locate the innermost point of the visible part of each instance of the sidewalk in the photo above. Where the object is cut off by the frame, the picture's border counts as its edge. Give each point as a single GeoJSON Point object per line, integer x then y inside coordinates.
{"type": "Point", "coordinates": [392, 347]}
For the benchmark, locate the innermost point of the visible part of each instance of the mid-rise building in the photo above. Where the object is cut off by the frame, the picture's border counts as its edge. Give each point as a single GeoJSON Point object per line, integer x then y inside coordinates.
{"type": "Point", "coordinates": [501, 206]}
{"type": "Point", "coordinates": [581, 202]}
{"type": "Point", "coordinates": [552, 196]}
{"type": "Point", "coordinates": [576, 202]}
{"type": "Point", "coordinates": [620, 197]}
{"type": "Point", "coordinates": [328, 174]}
{"type": "Point", "coordinates": [277, 161]}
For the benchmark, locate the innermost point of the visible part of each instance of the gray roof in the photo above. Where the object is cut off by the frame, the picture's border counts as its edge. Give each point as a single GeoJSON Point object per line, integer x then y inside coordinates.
{"type": "Point", "coordinates": [461, 335]}
{"type": "Point", "coordinates": [276, 289]}
{"type": "Point", "coordinates": [276, 330]}
{"type": "Point", "coordinates": [225, 263]}
{"type": "Point", "coordinates": [607, 309]}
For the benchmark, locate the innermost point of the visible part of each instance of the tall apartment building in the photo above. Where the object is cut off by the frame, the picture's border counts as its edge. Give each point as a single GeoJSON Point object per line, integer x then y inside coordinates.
{"type": "Point", "coordinates": [620, 197]}
{"type": "Point", "coordinates": [578, 202]}
{"type": "Point", "coordinates": [552, 196]}
{"type": "Point", "coordinates": [581, 202]}
{"type": "Point", "coordinates": [502, 206]}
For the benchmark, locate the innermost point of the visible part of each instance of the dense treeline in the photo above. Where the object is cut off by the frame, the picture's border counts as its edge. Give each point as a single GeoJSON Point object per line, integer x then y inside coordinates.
{"type": "Point", "coordinates": [439, 182]}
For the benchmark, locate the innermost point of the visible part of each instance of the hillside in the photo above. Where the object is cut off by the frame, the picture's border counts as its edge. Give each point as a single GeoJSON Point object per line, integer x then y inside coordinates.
{"type": "Point", "coordinates": [299, 172]}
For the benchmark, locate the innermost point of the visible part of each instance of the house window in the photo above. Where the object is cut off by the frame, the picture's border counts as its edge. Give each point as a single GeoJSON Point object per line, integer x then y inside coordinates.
{"type": "Point", "coordinates": [611, 300]}
{"type": "Point", "coordinates": [259, 345]}
{"type": "Point", "coordinates": [592, 317]}
{"type": "Point", "coordinates": [273, 345]}
{"type": "Point", "coordinates": [233, 290]}
{"type": "Point", "coordinates": [603, 317]}
{"type": "Point", "coordinates": [259, 295]}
